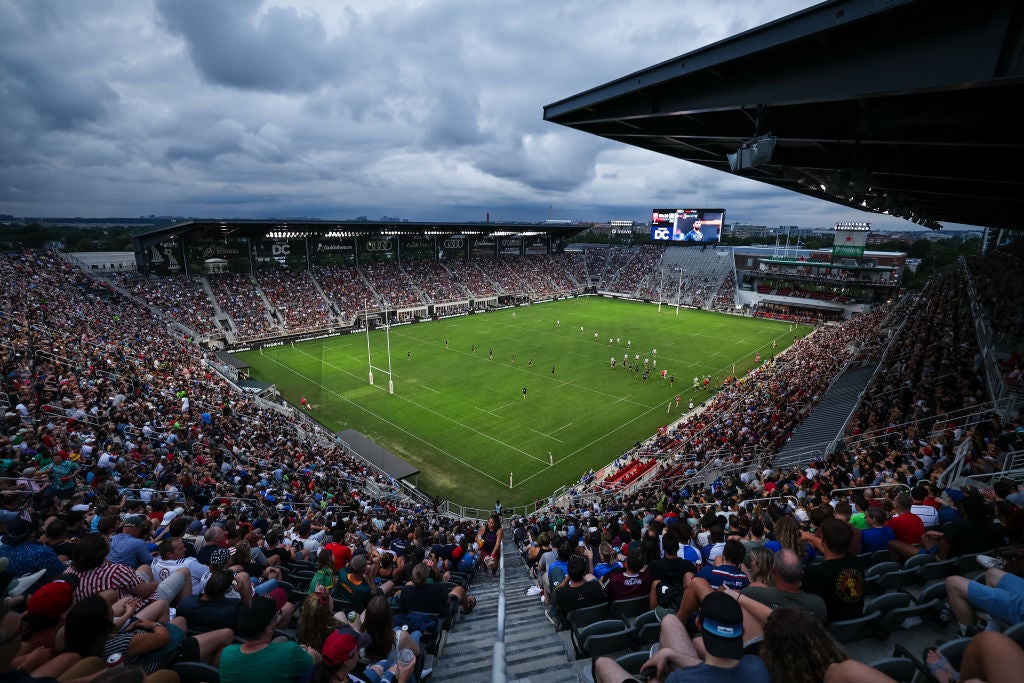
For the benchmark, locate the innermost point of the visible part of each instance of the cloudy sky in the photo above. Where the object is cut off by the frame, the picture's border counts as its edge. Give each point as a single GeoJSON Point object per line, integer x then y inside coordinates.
{"type": "Point", "coordinates": [423, 109]}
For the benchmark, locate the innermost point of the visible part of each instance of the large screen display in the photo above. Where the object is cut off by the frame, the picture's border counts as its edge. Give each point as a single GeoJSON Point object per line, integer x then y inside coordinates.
{"type": "Point", "coordinates": [687, 225]}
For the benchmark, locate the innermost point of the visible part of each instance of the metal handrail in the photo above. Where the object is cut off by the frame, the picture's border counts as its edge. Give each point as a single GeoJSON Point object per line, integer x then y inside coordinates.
{"type": "Point", "coordinates": [864, 488]}
{"type": "Point", "coordinates": [498, 660]}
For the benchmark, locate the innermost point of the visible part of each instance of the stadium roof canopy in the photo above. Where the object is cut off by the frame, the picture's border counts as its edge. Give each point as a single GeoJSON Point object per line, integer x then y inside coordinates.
{"type": "Point", "coordinates": [259, 229]}
{"type": "Point", "coordinates": [911, 108]}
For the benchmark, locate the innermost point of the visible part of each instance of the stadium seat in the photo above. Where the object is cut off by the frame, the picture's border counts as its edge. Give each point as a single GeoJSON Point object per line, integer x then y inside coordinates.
{"type": "Point", "coordinates": [919, 560]}
{"type": "Point", "coordinates": [953, 650]}
{"type": "Point", "coordinates": [646, 626]}
{"type": "Point", "coordinates": [891, 581]}
{"type": "Point", "coordinates": [939, 569]}
{"type": "Point", "coordinates": [608, 644]}
{"type": "Point", "coordinates": [584, 616]}
{"type": "Point", "coordinates": [886, 602]}
{"type": "Point", "coordinates": [900, 669]}
{"type": "Point", "coordinates": [629, 609]}
{"type": "Point", "coordinates": [196, 672]}
{"type": "Point", "coordinates": [1016, 633]}
{"type": "Point", "coordinates": [852, 630]}
{"type": "Point", "coordinates": [605, 627]}
{"type": "Point", "coordinates": [880, 568]}
{"type": "Point", "coordinates": [633, 661]}
{"type": "Point", "coordinates": [968, 562]}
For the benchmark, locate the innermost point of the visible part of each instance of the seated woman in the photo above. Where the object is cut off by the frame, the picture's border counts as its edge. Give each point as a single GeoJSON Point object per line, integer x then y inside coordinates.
{"type": "Point", "coordinates": [385, 639]}
{"type": "Point", "coordinates": [317, 620]}
{"type": "Point", "coordinates": [148, 639]}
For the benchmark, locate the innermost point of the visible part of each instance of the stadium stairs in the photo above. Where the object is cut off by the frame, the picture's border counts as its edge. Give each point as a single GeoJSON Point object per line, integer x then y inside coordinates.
{"type": "Point", "coordinates": [828, 417]}
{"type": "Point", "coordinates": [534, 653]}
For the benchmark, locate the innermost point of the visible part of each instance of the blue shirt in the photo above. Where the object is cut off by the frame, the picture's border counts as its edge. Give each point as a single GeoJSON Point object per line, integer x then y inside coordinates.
{"type": "Point", "coordinates": [876, 539]}
{"type": "Point", "coordinates": [130, 551]}
{"type": "Point", "coordinates": [31, 556]}
{"type": "Point", "coordinates": [725, 575]}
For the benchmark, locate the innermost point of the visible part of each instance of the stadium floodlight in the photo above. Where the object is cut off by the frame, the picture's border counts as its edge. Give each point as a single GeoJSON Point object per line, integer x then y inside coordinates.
{"type": "Point", "coordinates": [756, 152]}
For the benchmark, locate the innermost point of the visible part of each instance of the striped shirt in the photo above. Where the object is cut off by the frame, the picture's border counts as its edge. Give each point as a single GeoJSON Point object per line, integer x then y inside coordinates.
{"type": "Point", "coordinates": [109, 576]}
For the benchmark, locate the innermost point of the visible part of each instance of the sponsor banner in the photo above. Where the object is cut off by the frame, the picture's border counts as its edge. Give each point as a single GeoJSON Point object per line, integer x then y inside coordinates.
{"type": "Point", "coordinates": [417, 247]}
{"type": "Point", "coordinates": [849, 243]}
{"type": "Point", "coordinates": [378, 246]}
{"type": "Point", "coordinates": [536, 246]}
{"type": "Point", "coordinates": [482, 247]}
{"type": "Point", "coordinates": [510, 246]}
{"type": "Point", "coordinates": [165, 258]}
{"type": "Point", "coordinates": [280, 249]}
{"type": "Point", "coordinates": [281, 341]}
{"type": "Point", "coordinates": [326, 246]}
{"type": "Point", "coordinates": [453, 246]}
{"type": "Point", "coordinates": [231, 248]}
{"type": "Point", "coordinates": [843, 250]}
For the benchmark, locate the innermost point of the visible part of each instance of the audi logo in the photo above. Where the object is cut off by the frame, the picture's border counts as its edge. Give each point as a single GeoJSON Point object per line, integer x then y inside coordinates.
{"type": "Point", "coordinates": [378, 245]}
{"type": "Point", "coordinates": [453, 244]}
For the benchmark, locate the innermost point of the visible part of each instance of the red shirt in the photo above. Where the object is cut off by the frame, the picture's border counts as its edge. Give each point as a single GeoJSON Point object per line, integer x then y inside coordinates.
{"type": "Point", "coordinates": [908, 527]}
{"type": "Point", "coordinates": [622, 586]}
{"type": "Point", "coordinates": [342, 554]}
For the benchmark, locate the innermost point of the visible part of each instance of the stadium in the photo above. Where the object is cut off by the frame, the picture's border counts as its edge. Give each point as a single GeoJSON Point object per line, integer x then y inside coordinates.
{"type": "Point", "coordinates": [299, 415]}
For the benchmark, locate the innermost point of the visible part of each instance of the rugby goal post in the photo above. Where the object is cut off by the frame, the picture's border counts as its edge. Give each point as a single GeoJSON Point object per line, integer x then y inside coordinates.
{"type": "Point", "coordinates": [369, 355]}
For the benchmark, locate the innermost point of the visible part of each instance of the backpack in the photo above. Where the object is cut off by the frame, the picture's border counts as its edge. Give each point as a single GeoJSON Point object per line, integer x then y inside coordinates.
{"type": "Point", "coordinates": [670, 595]}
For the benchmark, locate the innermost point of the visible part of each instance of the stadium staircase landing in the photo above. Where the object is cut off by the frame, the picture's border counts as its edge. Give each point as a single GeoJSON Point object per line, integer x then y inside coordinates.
{"type": "Point", "coordinates": [811, 438]}
{"type": "Point", "coordinates": [534, 652]}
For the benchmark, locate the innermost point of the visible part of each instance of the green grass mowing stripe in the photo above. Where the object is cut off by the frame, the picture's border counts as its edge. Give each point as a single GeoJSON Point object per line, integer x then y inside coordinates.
{"type": "Point", "coordinates": [470, 466]}
{"type": "Point", "coordinates": [585, 414]}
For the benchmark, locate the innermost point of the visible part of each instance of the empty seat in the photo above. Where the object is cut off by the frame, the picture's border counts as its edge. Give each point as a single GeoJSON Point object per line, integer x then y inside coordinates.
{"type": "Point", "coordinates": [599, 628]}
{"type": "Point", "coordinates": [630, 608]}
{"type": "Point", "coordinates": [852, 630]}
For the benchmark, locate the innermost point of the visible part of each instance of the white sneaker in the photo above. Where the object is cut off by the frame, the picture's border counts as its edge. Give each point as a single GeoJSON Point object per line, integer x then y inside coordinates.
{"type": "Point", "coordinates": [989, 562]}
{"type": "Point", "coordinates": [534, 590]}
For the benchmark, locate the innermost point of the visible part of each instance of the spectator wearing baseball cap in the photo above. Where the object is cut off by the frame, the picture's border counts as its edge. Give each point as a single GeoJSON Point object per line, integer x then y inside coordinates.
{"type": "Point", "coordinates": [129, 547]}
{"type": "Point", "coordinates": [44, 616]}
{"type": "Point", "coordinates": [26, 555]}
{"type": "Point", "coordinates": [355, 588]}
{"type": "Point", "coordinates": [677, 660]}
{"type": "Point", "coordinates": [259, 659]}
{"type": "Point", "coordinates": [340, 657]}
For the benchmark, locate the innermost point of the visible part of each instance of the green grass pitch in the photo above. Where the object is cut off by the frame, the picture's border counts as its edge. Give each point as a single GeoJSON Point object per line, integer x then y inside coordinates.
{"type": "Point", "coordinates": [461, 417]}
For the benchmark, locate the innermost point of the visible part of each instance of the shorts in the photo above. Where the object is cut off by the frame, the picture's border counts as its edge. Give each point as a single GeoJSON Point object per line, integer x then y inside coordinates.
{"type": "Point", "coordinates": [1003, 601]}
{"type": "Point", "coordinates": [169, 588]}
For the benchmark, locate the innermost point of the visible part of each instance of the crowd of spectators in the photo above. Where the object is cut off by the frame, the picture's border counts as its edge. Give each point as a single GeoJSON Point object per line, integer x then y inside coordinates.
{"type": "Point", "coordinates": [436, 282]}
{"type": "Point", "coordinates": [239, 296]}
{"type": "Point", "coordinates": [345, 287]}
{"type": "Point", "coordinates": [472, 276]}
{"type": "Point", "coordinates": [776, 540]}
{"type": "Point", "coordinates": [725, 297]}
{"type": "Point", "coordinates": [392, 285]}
{"type": "Point", "coordinates": [595, 260]}
{"type": "Point", "coordinates": [133, 478]}
{"type": "Point", "coordinates": [616, 259]}
{"type": "Point", "coordinates": [632, 274]}
{"type": "Point", "coordinates": [1000, 291]}
{"type": "Point", "coordinates": [127, 457]}
{"type": "Point", "coordinates": [182, 298]}
{"type": "Point", "coordinates": [296, 297]}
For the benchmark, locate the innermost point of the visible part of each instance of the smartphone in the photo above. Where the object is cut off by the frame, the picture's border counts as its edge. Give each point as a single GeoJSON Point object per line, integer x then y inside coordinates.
{"type": "Point", "coordinates": [646, 674]}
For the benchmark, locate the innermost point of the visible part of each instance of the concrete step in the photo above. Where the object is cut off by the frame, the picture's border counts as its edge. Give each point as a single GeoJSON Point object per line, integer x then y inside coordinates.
{"type": "Point", "coordinates": [534, 652]}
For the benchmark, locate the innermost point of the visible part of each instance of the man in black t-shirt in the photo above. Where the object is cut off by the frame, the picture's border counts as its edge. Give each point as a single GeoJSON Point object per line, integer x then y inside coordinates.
{"type": "Point", "coordinates": [669, 570]}
{"type": "Point", "coordinates": [576, 591]}
{"type": "Point", "coordinates": [839, 580]}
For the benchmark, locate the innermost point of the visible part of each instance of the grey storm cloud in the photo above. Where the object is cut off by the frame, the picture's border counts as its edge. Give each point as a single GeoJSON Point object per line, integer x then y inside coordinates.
{"type": "Point", "coordinates": [238, 45]}
{"type": "Point", "coordinates": [426, 110]}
